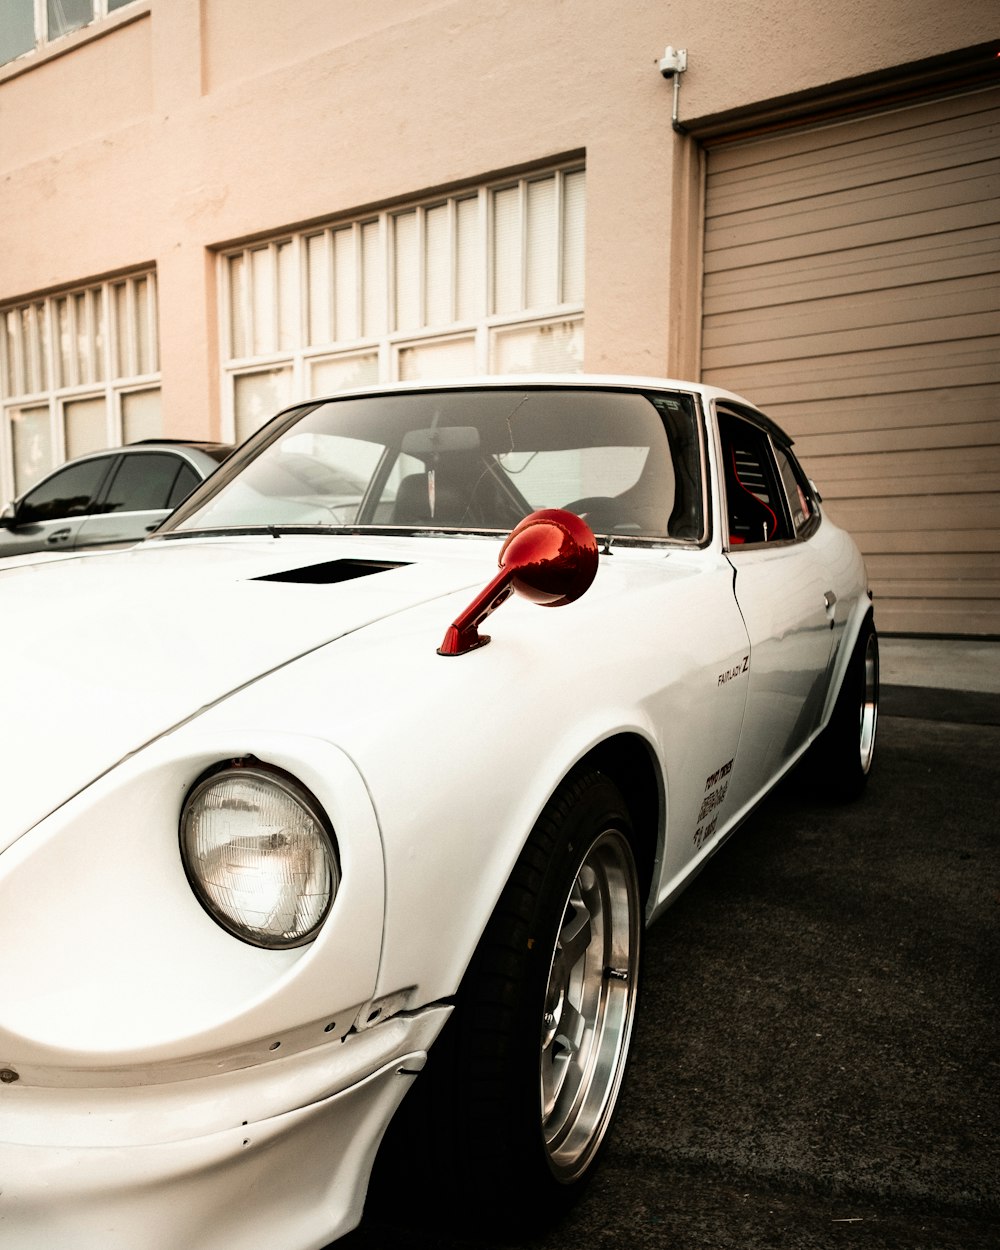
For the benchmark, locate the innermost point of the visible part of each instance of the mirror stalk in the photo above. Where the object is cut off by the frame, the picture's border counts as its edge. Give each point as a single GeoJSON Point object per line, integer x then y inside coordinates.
{"type": "Point", "coordinates": [550, 558]}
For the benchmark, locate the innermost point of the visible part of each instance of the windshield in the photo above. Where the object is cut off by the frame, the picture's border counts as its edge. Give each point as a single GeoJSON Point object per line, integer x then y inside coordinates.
{"type": "Point", "coordinates": [475, 460]}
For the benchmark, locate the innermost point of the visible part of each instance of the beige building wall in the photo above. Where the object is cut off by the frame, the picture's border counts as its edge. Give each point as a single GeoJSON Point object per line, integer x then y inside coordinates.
{"type": "Point", "coordinates": [176, 127]}
{"type": "Point", "coordinates": [195, 122]}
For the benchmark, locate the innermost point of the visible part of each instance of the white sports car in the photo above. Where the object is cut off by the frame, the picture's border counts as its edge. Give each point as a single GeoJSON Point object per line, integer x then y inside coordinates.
{"type": "Point", "coordinates": [282, 826]}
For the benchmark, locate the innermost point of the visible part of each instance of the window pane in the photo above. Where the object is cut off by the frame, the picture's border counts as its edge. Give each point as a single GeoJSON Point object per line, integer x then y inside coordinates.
{"type": "Point", "coordinates": [574, 185]}
{"type": "Point", "coordinates": [17, 28]}
{"type": "Point", "coordinates": [262, 278]}
{"type": "Point", "coordinates": [258, 396]}
{"type": "Point", "coordinates": [141, 416]}
{"type": "Point", "coordinates": [553, 348]}
{"type": "Point", "coordinates": [347, 286]}
{"type": "Point", "coordinates": [118, 4]}
{"type": "Point", "coordinates": [406, 265]}
{"type": "Point", "coordinates": [97, 341]}
{"type": "Point", "coordinates": [68, 15]}
{"type": "Point", "coordinates": [86, 425]}
{"type": "Point", "coordinates": [145, 324]}
{"type": "Point", "coordinates": [373, 280]}
{"type": "Point", "coordinates": [82, 338]}
{"type": "Point", "coordinates": [238, 305]}
{"type": "Point", "coordinates": [318, 289]}
{"type": "Point", "coordinates": [507, 250]}
{"type": "Point", "coordinates": [753, 497]}
{"type": "Point", "coordinates": [468, 261]}
{"type": "Point", "coordinates": [288, 302]}
{"type": "Point", "coordinates": [8, 330]}
{"type": "Point", "coordinates": [66, 493]}
{"type": "Point", "coordinates": [437, 266]}
{"type": "Point", "coordinates": [448, 358]}
{"type": "Point", "coordinates": [184, 484]}
{"type": "Point", "coordinates": [31, 435]}
{"type": "Point", "coordinates": [64, 355]}
{"type": "Point", "coordinates": [796, 490]}
{"type": "Point", "coordinates": [542, 261]}
{"type": "Point", "coordinates": [338, 373]}
{"type": "Point", "coordinates": [123, 349]}
{"type": "Point", "coordinates": [142, 482]}
{"type": "Point", "coordinates": [478, 458]}
{"type": "Point", "coordinates": [32, 321]}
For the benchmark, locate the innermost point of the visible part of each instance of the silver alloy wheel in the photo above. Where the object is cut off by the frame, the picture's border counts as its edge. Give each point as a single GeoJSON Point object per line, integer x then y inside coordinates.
{"type": "Point", "coordinates": [589, 1005]}
{"type": "Point", "coordinates": [869, 703]}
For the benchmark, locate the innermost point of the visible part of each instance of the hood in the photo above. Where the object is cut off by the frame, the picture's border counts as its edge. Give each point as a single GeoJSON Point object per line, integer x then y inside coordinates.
{"type": "Point", "coordinates": [106, 652]}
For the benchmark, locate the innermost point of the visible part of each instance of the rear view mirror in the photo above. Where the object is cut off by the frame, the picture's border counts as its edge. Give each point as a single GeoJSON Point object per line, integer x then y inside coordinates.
{"type": "Point", "coordinates": [550, 558]}
{"type": "Point", "coordinates": [440, 438]}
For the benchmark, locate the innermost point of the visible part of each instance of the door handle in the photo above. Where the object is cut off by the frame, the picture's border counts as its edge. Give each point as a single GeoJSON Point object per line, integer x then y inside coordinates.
{"type": "Point", "coordinates": [58, 536]}
{"type": "Point", "coordinates": [829, 605]}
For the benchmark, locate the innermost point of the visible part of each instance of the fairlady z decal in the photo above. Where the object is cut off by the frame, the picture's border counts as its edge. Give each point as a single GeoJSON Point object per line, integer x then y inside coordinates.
{"type": "Point", "coordinates": [736, 671]}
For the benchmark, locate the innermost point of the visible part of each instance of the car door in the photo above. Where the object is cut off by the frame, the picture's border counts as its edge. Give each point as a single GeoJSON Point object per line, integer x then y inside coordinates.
{"type": "Point", "coordinates": [50, 515]}
{"type": "Point", "coordinates": [144, 488]}
{"type": "Point", "coordinates": [785, 565]}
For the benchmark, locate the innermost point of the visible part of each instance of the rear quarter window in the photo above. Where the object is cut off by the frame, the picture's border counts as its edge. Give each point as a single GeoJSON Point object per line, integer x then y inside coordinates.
{"type": "Point", "coordinates": [801, 500]}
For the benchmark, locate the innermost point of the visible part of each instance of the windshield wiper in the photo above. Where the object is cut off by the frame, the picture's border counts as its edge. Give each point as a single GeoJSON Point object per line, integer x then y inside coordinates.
{"type": "Point", "coordinates": [274, 531]}
{"type": "Point", "coordinates": [279, 531]}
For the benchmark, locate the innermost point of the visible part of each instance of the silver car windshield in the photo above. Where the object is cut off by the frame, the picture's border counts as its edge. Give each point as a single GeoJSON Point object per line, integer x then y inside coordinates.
{"type": "Point", "coordinates": [474, 460]}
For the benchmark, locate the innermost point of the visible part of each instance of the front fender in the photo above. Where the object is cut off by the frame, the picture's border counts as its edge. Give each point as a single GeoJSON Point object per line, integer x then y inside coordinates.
{"type": "Point", "coordinates": [861, 609]}
{"type": "Point", "coordinates": [117, 965]}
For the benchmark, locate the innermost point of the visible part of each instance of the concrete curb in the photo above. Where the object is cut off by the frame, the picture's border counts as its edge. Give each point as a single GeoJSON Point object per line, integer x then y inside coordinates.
{"type": "Point", "coordinates": [964, 707]}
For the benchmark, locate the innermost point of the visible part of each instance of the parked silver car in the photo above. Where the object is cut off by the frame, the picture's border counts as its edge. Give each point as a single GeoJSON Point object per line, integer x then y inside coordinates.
{"type": "Point", "coordinates": [108, 497]}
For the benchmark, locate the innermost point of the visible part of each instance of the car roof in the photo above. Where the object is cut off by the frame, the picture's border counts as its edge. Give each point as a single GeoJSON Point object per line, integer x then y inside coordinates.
{"type": "Point", "coordinates": [175, 444]}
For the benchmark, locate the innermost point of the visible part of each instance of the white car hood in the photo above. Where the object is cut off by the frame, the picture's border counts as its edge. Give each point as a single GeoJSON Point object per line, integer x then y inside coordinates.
{"type": "Point", "coordinates": [104, 653]}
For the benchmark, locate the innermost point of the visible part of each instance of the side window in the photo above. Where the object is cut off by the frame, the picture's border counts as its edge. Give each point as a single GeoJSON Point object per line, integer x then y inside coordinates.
{"type": "Point", "coordinates": [755, 504]}
{"type": "Point", "coordinates": [184, 484]}
{"type": "Point", "coordinates": [142, 482]}
{"type": "Point", "coordinates": [801, 503]}
{"type": "Point", "coordinates": [69, 492]}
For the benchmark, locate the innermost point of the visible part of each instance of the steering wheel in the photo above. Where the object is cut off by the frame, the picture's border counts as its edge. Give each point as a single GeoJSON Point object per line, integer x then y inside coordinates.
{"type": "Point", "coordinates": [601, 512]}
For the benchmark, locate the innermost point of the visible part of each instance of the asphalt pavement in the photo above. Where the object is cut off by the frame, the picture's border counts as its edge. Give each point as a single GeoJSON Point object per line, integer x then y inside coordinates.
{"type": "Point", "coordinates": [816, 1065]}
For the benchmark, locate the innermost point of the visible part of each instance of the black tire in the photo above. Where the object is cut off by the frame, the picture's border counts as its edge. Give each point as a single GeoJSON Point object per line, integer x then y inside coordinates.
{"type": "Point", "coordinates": [842, 757]}
{"type": "Point", "coordinates": [517, 1097]}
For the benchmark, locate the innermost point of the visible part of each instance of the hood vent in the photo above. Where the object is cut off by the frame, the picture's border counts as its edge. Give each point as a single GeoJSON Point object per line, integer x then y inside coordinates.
{"type": "Point", "coordinates": [332, 571]}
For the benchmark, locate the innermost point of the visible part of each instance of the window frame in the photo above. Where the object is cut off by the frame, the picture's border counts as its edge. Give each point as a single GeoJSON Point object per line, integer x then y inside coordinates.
{"type": "Point", "coordinates": [91, 341]}
{"type": "Point", "coordinates": [772, 438]}
{"type": "Point", "coordinates": [387, 342]}
{"type": "Point", "coordinates": [804, 484]}
{"type": "Point", "coordinates": [372, 496]}
{"type": "Point", "coordinates": [97, 494]}
{"type": "Point", "coordinates": [47, 46]}
{"type": "Point", "coordinates": [177, 462]}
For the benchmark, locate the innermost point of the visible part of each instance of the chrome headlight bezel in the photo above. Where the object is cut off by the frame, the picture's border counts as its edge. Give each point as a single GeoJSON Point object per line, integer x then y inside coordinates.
{"type": "Point", "coordinates": [314, 838]}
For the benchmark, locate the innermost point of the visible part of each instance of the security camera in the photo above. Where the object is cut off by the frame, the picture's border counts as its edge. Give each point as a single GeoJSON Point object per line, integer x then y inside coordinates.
{"type": "Point", "coordinates": [673, 61]}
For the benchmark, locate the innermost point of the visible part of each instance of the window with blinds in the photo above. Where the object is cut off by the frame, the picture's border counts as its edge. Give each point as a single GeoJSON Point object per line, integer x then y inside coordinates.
{"type": "Point", "coordinates": [487, 280]}
{"type": "Point", "coordinates": [79, 371]}
{"type": "Point", "coordinates": [26, 25]}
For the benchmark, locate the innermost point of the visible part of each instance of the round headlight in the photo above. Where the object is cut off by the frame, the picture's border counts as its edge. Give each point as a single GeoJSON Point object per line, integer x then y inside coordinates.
{"type": "Point", "coordinates": [259, 855]}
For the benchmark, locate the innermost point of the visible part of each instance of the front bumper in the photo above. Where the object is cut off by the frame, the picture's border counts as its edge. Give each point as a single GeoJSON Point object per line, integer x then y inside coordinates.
{"type": "Point", "coordinates": [210, 1162]}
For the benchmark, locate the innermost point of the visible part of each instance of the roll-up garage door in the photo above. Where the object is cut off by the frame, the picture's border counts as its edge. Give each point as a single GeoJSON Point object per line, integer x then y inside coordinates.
{"type": "Point", "coordinates": [852, 290]}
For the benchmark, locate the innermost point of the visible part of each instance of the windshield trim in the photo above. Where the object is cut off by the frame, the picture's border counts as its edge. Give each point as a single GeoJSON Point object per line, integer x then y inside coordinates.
{"type": "Point", "coordinates": [608, 540]}
{"type": "Point", "coordinates": [294, 413]}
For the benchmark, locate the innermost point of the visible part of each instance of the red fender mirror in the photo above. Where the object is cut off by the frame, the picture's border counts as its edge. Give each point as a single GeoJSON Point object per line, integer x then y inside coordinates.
{"type": "Point", "coordinates": [550, 558]}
